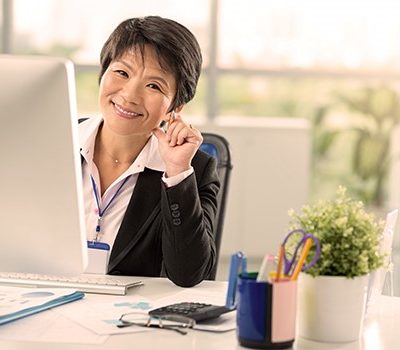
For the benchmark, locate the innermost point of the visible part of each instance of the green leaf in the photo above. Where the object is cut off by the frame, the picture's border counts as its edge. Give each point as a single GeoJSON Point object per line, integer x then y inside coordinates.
{"type": "Point", "coordinates": [349, 236]}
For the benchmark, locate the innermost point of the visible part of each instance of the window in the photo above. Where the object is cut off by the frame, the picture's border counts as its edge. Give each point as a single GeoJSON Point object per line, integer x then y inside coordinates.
{"type": "Point", "coordinates": [309, 34]}
{"type": "Point", "coordinates": [322, 60]}
{"type": "Point", "coordinates": [78, 29]}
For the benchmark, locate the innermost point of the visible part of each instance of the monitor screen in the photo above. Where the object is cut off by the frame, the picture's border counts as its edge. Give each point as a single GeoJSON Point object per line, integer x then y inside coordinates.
{"type": "Point", "coordinates": [42, 226]}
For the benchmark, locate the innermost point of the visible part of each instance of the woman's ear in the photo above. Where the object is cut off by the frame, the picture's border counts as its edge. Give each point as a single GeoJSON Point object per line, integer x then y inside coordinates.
{"type": "Point", "coordinates": [178, 109]}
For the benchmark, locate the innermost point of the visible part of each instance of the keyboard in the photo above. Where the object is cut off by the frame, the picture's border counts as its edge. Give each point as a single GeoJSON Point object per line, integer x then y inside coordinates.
{"type": "Point", "coordinates": [88, 283]}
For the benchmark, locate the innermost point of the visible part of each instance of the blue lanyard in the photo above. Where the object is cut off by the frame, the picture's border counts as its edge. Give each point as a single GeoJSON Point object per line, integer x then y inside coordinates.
{"type": "Point", "coordinates": [102, 212]}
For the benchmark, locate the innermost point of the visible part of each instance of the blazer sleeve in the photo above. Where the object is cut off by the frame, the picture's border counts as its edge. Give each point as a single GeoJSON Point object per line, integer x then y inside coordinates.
{"type": "Point", "coordinates": [188, 213]}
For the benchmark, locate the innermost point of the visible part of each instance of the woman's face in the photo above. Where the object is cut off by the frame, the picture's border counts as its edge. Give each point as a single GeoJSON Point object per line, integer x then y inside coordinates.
{"type": "Point", "coordinates": [135, 93]}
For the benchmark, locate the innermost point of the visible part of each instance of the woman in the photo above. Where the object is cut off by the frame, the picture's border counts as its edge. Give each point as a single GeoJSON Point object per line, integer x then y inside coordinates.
{"type": "Point", "coordinates": [149, 194]}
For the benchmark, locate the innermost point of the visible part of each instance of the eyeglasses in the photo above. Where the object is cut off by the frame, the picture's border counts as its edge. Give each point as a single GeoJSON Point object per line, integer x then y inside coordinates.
{"type": "Point", "coordinates": [175, 323]}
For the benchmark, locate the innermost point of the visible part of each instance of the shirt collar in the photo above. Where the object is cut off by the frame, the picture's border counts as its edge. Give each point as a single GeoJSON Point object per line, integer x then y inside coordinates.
{"type": "Point", "coordinates": [154, 160]}
{"type": "Point", "coordinates": [149, 156]}
{"type": "Point", "coordinates": [87, 136]}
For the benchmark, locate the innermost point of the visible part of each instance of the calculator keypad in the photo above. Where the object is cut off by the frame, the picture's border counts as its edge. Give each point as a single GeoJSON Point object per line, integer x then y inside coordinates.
{"type": "Point", "coordinates": [196, 311]}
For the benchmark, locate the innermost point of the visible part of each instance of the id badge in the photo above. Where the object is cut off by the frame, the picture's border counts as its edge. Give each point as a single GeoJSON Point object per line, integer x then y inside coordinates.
{"type": "Point", "coordinates": [98, 254]}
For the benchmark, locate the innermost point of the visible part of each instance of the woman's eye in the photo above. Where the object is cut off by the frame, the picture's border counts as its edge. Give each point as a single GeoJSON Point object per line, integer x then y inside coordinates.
{"type": "Point", "coordinates": [121, 73]}
{"type": "Point", "coordinates": [154, 86]}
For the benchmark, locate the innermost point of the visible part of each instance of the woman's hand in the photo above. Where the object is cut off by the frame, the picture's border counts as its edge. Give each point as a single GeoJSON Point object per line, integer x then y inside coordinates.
{"type": "Point", "coordinates": [178, 145]}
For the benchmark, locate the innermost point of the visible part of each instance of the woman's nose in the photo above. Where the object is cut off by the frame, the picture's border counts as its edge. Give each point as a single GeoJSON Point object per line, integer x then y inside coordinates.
{"type": "Point", "coordinates": [132, 92]}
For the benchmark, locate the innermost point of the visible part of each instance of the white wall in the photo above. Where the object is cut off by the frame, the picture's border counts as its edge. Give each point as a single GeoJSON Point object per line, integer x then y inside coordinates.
{"type": "Point", "coordinates": [271, 165]}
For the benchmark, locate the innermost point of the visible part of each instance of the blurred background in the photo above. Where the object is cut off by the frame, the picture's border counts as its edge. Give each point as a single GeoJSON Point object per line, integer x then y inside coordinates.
{"type": "Point", "coordinates": [306, 92]}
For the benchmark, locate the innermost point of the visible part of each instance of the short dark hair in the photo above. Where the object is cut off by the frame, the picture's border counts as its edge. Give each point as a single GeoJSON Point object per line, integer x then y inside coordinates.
{"type": "Point", "coordinates": [176, 47]}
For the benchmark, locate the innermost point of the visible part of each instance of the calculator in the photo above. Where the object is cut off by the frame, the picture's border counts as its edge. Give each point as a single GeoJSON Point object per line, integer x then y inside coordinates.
{"type": "Point", "coordinates": [195, 311]}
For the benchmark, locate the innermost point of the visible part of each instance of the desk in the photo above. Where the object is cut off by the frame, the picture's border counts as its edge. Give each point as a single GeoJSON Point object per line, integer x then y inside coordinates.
{"type": "Point", "coordinates": [380, 329]}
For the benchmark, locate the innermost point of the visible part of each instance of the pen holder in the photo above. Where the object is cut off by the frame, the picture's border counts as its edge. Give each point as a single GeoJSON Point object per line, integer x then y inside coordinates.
{"type": "Point", "coordinates": [266, 313]}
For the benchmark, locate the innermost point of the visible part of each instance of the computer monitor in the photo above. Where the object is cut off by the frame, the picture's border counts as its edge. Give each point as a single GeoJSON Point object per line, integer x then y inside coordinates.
{"type": "Point", "coordinates": [42, 226]}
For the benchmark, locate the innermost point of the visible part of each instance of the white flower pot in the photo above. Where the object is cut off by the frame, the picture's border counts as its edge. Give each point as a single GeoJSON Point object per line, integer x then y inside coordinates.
{"type": "Point", "coordinates": [331, 308]}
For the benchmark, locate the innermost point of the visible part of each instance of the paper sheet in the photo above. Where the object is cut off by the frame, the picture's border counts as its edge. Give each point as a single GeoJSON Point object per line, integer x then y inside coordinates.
{"type": "Point", "coordinates": [14, 299]}
{"type": "Point", "coordinates": [46, 326]}
{"type": "Point", "coordinates": [49, 326]}
{"type": "Point", "coordinates": [94, 318]}
{"type": "Point", "coordinates": [100, 313]}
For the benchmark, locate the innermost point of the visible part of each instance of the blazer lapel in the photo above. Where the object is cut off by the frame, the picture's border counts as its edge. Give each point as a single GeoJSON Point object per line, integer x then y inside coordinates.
{"type": "Point", "coordinates": [142, 209]}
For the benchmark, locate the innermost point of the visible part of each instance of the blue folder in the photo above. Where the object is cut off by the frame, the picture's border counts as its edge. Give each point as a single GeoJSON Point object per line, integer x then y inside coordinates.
{"type": "Point", "coordinates": [34, 310]}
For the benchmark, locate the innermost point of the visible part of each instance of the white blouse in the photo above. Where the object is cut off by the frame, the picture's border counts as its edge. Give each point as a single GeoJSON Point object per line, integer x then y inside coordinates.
{"type": "Point", "coordinates": [149, 157]}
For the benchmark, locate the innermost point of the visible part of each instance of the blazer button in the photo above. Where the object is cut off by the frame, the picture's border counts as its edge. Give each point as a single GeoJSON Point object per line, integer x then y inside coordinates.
{"type": "Point", "coordinates": [176, 222]}
{"type": "Point", "coordinates": [174, 206]}
{"type": "Point", "coordinates": [176, 214]}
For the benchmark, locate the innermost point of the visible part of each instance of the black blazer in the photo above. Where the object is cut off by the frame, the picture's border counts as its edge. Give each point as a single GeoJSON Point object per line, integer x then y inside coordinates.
{"type": "Point", "coordinates": [169, 231]}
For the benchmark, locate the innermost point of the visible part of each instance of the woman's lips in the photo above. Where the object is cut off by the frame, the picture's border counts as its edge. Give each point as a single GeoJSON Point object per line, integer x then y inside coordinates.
{"type": "Point", "coordinates": [125, 113]}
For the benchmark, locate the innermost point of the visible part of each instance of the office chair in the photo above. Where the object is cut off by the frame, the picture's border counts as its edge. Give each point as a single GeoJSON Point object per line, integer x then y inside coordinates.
{"type": "Point", "coordinates": [218, 147]}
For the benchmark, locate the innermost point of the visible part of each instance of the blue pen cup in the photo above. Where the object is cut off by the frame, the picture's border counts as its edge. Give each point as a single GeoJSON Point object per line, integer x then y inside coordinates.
{"type": "Point", "coordinates": [266, 313]}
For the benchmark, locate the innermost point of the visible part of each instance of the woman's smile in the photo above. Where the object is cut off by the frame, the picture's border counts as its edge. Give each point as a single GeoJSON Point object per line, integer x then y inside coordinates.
{"type": "Point", "coordinates": [124, 113]}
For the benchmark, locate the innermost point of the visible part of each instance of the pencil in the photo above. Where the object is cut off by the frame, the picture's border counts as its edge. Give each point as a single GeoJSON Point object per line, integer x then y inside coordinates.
{"type": "Point", "coordinates": [302, 258]}
{"type": "Point", "coordinates": [280, 261]}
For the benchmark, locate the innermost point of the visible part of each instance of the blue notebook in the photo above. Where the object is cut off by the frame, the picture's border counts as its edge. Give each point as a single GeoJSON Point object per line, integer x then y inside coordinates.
{"type": "Point", "coordinates": [25, 302]}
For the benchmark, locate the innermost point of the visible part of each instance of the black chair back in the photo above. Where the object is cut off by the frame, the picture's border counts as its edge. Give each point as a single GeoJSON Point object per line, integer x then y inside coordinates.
{"type": "Point", "coordinates": [218, 147]}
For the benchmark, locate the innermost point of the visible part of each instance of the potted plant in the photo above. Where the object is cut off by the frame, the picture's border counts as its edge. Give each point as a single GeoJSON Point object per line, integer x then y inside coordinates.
{"type": "Point", "coordinates": [332, 293]}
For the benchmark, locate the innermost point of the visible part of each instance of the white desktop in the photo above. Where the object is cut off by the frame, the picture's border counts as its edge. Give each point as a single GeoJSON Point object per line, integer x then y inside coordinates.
{"type": "Point", "coordinates": [62, 328]}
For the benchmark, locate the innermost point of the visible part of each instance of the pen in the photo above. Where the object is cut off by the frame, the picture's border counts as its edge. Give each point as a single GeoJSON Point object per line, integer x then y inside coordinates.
{"type": "Point", "coordinates": [267, 266]}
{"type": "Point", "coordinates": [302, 258]}
{"type": "Point", "coordinates": [280, 262]}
